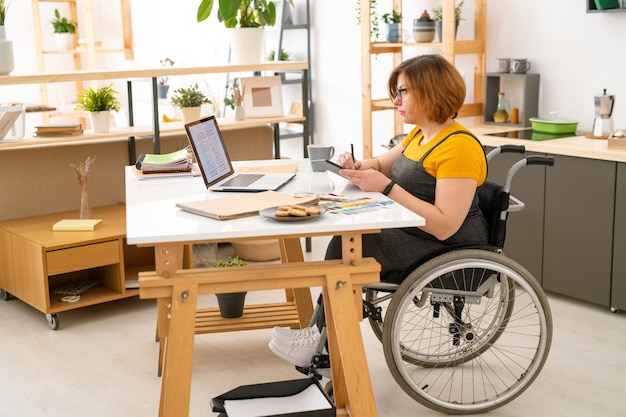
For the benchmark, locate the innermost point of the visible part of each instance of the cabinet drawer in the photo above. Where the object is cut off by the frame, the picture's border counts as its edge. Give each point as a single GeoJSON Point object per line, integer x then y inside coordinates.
{"type": "Point", "coordinates": [83, 257]}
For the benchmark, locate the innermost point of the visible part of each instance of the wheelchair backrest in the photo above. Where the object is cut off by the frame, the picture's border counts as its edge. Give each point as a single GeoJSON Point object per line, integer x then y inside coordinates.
{"type": "Point", "coordinates": [494, 202]}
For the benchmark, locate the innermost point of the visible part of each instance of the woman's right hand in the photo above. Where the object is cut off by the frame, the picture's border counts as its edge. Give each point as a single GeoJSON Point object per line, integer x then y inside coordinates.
{"type": "Point", "coordinates": [346, 161]}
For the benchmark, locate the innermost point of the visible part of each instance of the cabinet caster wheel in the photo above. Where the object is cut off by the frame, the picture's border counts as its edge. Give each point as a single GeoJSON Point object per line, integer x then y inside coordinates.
{"type": "Point", "coordinates": [614, 310]}
{"type": "Point", "coordinates": [53, 321]}
{"type": "Point", "coordinates": [5, 295]}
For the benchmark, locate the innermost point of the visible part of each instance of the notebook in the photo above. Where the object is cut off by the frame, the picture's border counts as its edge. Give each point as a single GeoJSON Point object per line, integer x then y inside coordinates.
{"type": "Point", "coordinates": [216, 167]}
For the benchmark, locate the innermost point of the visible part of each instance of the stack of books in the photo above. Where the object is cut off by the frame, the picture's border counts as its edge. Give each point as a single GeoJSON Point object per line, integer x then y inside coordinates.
{"type": "Point", "coordinates": [59, 130]}
{"type": "Point", "coordinates": [177, 162]}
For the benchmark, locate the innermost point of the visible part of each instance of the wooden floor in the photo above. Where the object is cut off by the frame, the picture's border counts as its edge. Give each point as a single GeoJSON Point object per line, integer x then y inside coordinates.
{"type": "Point", "coordinates": [102, 362]}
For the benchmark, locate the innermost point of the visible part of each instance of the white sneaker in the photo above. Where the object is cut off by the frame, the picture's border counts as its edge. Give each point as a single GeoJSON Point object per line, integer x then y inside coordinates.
{"type": "Point", "coordinates": [285, 333]}
{"type": "Point", "coordinates": [297, 351]}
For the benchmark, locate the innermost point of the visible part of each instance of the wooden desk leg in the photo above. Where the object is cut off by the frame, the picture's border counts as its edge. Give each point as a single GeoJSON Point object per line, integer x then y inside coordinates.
{"type": "Point", "coordinates": [291, 251]}
{"type": "Point", "coordinates": [352, 386]}
{"type": "Point", "coordinates": [178, 352]}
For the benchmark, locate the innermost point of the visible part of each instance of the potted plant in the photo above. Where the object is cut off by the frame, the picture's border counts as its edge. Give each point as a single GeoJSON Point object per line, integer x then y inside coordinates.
{"type": "Point", "coordinates": [163, 86]}
{"type": "Point", "coordinates": [189, 100]}
{"type": "Point", "coordinates": [438, 16]}
{"type": "Point", "coordinates": [6, 46]}
{"type": "Point", "coordinates": [64, 31]}
{"type": "Point", "coordinates": [394, 29]}
{"type": "Point", "coordinates": [231, 304]}
{"type": "Point", "coordinates": [99, 103]}
{"type": "Point", "coordinates": [248, 17]}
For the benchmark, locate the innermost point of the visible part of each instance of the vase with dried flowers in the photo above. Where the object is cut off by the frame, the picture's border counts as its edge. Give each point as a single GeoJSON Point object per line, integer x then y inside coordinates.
{"type": "Point", "coordinates": [163, 87]}
{"type": "Point", "coordinates": [238, 98]}
{"type": "Point", "coordinates": [82, 173]}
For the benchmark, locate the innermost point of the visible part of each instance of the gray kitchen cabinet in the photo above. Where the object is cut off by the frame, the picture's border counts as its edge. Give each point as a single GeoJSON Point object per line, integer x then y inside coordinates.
{"type": "Point", "coordinates": [524, 238]}
{"type": "Point", "coordinates": [618, 282]}
{"type": "Point", "coordinates": [578, 229]}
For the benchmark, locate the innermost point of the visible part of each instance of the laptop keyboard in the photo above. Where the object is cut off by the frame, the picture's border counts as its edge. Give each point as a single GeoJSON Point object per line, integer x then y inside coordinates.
{"type": "Point", "coordinates": [242, 180]}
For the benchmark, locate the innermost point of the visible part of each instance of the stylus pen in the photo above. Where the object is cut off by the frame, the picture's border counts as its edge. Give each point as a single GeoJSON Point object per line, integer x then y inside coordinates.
{"type": "Point", "coordinates": [352, 151]}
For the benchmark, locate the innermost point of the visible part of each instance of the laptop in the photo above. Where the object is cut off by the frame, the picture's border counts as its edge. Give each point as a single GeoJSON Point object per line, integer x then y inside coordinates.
{"type": "Point", "coordinates": [216, 167]}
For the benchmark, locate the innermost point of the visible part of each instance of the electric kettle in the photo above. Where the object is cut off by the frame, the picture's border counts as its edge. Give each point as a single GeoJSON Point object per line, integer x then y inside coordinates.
{"type": "Point", "coordinates": [603, 122]}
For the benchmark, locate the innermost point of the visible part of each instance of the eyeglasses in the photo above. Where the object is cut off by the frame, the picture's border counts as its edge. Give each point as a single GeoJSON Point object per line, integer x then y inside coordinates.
{"type": "Point", "coordinates": [399, 94]}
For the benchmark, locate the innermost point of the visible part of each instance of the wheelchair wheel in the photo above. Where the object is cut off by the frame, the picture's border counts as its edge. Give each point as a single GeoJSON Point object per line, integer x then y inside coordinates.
{"type": "Point", "coordinates": [467, 332]}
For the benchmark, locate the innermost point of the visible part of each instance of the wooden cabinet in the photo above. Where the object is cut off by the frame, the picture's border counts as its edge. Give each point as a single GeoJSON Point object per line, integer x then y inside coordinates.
{"type": "Point", "coordinates": [36, 259]}
{"type": "Point", "coordinates": [449, 48]}
{"type": "Point", "coordinates": [578, 231]}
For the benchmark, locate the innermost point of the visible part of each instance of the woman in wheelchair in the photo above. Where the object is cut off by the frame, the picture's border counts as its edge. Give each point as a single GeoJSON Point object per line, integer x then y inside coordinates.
{"type": "Point", "coordinates": [435, 172]}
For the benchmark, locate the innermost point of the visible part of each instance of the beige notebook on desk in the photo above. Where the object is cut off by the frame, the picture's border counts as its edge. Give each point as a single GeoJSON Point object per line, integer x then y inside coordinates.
{"type": "Point", "coordinates": [243, 205]}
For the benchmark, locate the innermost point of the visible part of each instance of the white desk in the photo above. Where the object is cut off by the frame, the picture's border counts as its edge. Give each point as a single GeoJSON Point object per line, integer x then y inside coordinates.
{"type": "Point", "coordinates": [153, 220]}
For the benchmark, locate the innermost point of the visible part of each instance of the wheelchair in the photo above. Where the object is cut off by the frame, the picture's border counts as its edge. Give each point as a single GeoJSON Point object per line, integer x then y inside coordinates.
{"type": "Point", "coordinates": [467, 330]}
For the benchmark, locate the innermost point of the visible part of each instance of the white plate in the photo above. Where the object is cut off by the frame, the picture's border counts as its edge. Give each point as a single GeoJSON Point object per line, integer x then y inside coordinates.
{"type": "Point", "coordinates": [270, 213]}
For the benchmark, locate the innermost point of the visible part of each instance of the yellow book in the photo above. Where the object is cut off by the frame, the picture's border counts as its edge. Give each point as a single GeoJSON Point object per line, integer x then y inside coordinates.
{"type": "Point", "coordinates": [76, 225]}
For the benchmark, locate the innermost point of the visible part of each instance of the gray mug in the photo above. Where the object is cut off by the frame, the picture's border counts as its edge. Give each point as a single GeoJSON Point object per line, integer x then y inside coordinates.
{"type": "Point", "coordinates": [519, 66]}
{"type": "Point", "coordinates": [503, 64]}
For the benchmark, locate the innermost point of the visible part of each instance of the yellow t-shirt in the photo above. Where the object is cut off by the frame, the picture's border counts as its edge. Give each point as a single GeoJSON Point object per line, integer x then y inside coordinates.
{"type": "Point", "coordinates": [459, 156]}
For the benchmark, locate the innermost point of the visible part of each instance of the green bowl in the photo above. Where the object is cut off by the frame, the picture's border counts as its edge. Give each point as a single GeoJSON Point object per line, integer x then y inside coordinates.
{"type": "Point", "coordinates": [553, 125]}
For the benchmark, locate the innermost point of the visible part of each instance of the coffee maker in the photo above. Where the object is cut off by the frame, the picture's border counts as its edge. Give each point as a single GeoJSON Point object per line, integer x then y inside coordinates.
{"type": "Point", "coordinates": [603, 123]}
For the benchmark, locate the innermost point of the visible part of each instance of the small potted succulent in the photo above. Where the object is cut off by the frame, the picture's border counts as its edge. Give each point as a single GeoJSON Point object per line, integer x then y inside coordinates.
{"type": "Point", "coordinates": [64, 31]}
{"type": "Point", "coordinates": [231, 304]}
{"type": "Point", "coordinates": [189, 100]}
{"type": "Point", "coordinates": [99, 103]}
{"type": "Point", "coordinates": [438, 16]}
{"type": "Point", "coordinates": [394, 26]}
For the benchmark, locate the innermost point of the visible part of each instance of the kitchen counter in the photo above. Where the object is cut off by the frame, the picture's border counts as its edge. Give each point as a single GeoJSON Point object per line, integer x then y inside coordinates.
{"type": "Point", "coordinates": [577, 146]}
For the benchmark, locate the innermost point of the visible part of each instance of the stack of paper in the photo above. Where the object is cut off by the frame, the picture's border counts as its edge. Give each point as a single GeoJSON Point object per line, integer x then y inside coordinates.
{"type": "Point", "coordinates": [178, 161]}
{"type": "Point", "coordinates": [59, 130]}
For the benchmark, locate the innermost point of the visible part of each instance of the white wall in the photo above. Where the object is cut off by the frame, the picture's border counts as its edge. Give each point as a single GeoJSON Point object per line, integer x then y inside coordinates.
{"type": "Point", "coordinates": [577, 54]}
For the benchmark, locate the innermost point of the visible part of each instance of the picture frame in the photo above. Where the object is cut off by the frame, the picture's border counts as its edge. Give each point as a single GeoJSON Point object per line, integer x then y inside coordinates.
{"type": "Point", "coordinates": [262, 96]}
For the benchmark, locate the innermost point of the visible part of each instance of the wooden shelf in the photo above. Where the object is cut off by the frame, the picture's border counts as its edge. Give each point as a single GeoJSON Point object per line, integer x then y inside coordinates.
{"type": "Point", "coordinates": [450, 48]}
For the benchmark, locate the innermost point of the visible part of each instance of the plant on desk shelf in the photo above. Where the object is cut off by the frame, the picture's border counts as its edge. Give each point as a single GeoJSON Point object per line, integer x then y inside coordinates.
{"type": "Point", "coordinates": [189, 100]}
{"type": "Point", "coordinates": [231, 304]}
{"type": "Point", "coordinates": [99, 103]}
{"type": "Point", "coordinates": [245, 21]}
{"type": "Point", "coordinates": [64, 31]}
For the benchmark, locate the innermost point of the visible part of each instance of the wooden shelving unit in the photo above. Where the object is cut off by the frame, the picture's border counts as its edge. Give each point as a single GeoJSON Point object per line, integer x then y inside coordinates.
{"type": "Point", "coordinates": [450, 48]}
{"type": "Point", "coordinates": [83, 56]}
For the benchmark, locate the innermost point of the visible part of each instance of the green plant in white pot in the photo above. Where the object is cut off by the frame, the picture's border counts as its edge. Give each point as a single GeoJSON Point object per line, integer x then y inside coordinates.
{"type": "Point", "coordinates": [189, 100]}
{"type": "Point", "coordinates": [248, 17]}
{"type": "Point", "coordinates": [99, 103]}
{"type": "Point", "coordinates": [64, 31]}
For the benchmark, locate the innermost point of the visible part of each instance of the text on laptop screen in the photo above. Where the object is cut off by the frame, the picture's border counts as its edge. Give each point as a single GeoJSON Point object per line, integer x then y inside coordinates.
{"type": "Point", "coordinates": [210, 150]}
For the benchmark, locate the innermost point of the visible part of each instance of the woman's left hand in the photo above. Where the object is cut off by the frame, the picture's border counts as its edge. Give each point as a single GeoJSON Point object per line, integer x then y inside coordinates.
{"type": "Point", "coordinates": [367, 179]}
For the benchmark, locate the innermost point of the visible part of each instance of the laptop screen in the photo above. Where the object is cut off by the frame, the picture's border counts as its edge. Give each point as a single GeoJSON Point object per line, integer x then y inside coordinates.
{"type": "Point", "coordinates": [206, 140]}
